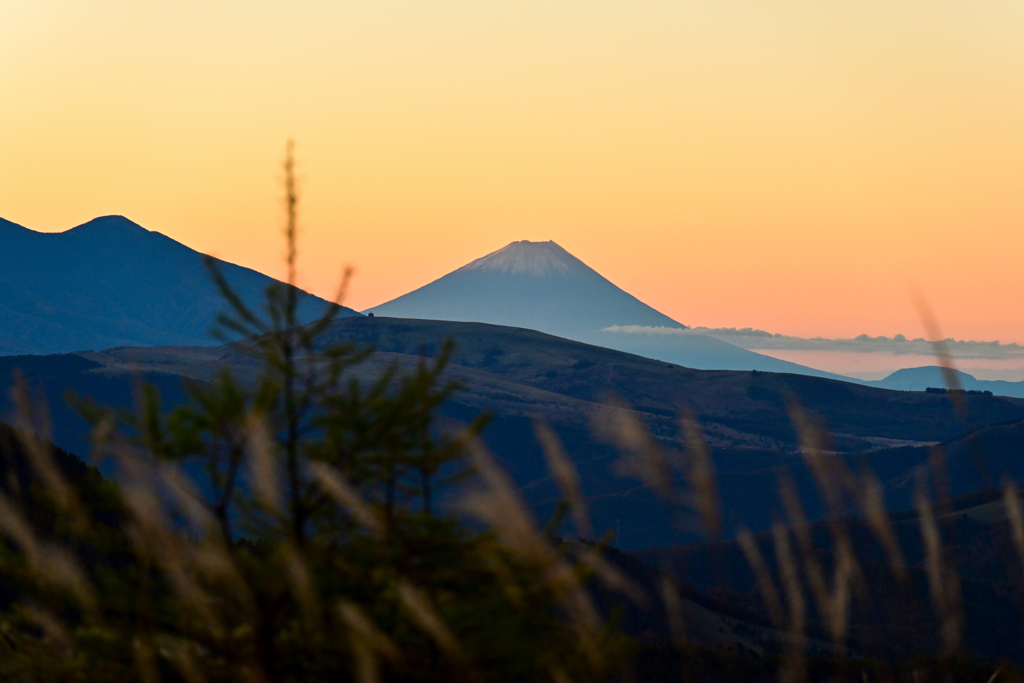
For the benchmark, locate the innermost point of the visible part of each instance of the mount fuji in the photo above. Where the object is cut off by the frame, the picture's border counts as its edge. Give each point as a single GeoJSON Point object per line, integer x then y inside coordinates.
{"type": "Point", "coordinates": [541, 286]}
{"type": "Point", "coordinates": [536, 285]}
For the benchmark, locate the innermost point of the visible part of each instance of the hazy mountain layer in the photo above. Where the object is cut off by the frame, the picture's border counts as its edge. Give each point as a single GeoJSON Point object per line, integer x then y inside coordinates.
{"type": "Point", "coordinates": [919, 379]}
{"type": "Point", "coordinates": [540, 286]}
{"type": "Point", "coordinates": [698, 351]}
{"type": "Point", "coordinates": [110, 283]}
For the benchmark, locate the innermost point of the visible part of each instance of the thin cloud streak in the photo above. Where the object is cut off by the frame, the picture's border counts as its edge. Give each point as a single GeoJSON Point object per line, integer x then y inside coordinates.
{"type": "Point", "coordinates": [760, 340]}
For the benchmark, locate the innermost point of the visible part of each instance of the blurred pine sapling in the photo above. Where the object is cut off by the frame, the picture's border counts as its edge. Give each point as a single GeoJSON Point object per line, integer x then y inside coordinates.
{"type": "Point", "coordinates": [298, 529]}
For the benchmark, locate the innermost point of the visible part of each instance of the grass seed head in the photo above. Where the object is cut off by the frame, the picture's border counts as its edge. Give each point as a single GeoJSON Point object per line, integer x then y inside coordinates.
{"type": "Point", "coordinates": [565, 474]}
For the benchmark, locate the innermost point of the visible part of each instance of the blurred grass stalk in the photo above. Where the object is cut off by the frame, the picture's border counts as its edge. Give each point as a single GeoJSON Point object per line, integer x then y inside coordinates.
{"type": "Point", "coordinates": [309, 551]}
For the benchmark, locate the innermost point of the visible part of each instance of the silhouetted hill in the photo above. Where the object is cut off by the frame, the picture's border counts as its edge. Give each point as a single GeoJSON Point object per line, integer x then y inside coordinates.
{"type": "Point", "coordinates": [55, 377]}
{"type": "Point", "coordinates": [540, 286]}
{"type": "Point", "coordinates": [110, 283]}
{"type": "Point", "coordinates": [919, 379]}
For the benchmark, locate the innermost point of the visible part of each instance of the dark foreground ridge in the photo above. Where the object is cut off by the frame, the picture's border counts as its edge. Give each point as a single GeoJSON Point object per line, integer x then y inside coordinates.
{"type": "Point", "coordinates": [521, 376]}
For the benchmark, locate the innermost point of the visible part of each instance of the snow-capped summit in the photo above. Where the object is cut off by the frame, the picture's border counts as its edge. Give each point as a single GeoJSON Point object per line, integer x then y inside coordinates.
{"type": "Point", "coordinates": [529, 258]}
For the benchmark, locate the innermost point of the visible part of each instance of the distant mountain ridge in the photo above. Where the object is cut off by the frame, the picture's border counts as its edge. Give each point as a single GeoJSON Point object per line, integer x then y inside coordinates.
{"type": "Point", "coordinates": [919, 379]}
{"type": "Point", "coordinates": [110, 282]}
{"type": "Point", "coordinates": [541, 286]}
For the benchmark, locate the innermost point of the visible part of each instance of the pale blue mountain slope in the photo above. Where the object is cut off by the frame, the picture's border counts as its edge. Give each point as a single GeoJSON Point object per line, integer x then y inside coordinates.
{"type": "Point", "coordinates": [111, 282]}
{"type": "Point", "coordinates": [536, 285]}
{"type": "Point", "coordinates": [700, 352]}
{"type": "Point", "coordinates": [540, 286]}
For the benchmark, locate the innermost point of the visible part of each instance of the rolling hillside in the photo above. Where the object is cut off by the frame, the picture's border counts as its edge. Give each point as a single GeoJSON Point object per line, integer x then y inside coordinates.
{"type": "Point", "coordinates": [521, 376]}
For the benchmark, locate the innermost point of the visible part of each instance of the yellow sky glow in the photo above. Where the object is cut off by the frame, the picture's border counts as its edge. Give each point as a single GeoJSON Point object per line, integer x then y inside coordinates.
{"type": "Point", "coordinates": [797, 166]}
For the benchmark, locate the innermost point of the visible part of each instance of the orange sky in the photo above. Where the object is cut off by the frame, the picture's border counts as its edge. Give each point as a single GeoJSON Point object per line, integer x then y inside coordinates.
{"type": "Point", "coordinates": [795, 166]}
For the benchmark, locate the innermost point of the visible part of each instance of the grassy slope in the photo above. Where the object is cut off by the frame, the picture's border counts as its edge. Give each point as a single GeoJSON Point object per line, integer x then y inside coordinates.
{"type": "Point", "coordinates": [522, 375]}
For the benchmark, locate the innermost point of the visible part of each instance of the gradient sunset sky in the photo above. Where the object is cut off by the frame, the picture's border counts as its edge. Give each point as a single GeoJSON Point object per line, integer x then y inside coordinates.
{"type": "Point", "coordinates": [801, 167]}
